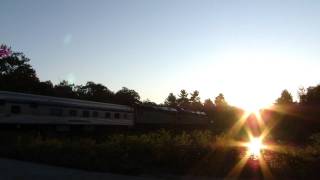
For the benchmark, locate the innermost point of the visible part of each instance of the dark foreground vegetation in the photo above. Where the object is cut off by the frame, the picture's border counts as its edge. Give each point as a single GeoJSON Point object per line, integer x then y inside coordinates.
{"type": "Point", "coordinates": [161, 152]}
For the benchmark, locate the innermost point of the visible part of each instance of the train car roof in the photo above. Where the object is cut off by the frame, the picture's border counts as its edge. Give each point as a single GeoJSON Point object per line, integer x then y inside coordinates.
{"type": "Point", "coordinates": [15, 96]}
{"type": "Point", "coordinates": [193, 112]}
{"type": "Point", "coordinates": [170, 109]}
{"type": "Point", "coordinates": [160, 108]}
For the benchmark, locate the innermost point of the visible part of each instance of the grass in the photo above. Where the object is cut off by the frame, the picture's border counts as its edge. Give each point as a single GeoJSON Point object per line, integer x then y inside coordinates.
{"type": "Point", "coordinates": [161, 152]}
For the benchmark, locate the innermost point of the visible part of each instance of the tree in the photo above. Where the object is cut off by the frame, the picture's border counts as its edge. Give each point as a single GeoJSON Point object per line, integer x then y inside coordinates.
{"type": "Point", "coordinates": [220, 101]}
{"type": "Point", "coordinates": [5, 51]}
{"type": "Point", "coordinates": [45, 88]}
{"type": "Point", "coordinates": [209, 109]}
{"type": "Point", "coordinates": [312, 96]}
{"type": "Point", "coordinates": [127, 97]}
{"type": "Point", "coordinates": [64, 89]}
{"type": "Point", "coordinates": [171, 101]}
{"type": "Point", "coordinates": [195, 101]}
{"type": "Point", "coordinates": [149, 103]}
{"type": "Point", "coordinates": [16, 74]}
{"type": "Point", "coordinates": [208, 105]}
{"type": "Point", "coordinates": [95, 92]}
{"type": "Point", "coordinates": [195, 97]}
{"type": "Point", "coordinates": [302, 95]}
{"type": "Point", "coordinates": [183, 100]}
{"type": "Point", "coordinates": [285, 98]}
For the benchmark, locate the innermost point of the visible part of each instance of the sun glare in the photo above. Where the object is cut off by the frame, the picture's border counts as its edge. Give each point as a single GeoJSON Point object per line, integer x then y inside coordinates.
{"type": "Point", "coordinates": [253, 105]}
{"type": "Point", "coordinates": [252, 109]}
{"type": "Point", "coordinates": [254, 147]}
{"type": "Point", "coordinates": [250, 106]}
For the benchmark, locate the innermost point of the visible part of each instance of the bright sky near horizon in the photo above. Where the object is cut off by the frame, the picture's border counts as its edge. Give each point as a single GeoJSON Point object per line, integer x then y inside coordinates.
{"type": "Point", "coordinates": [248, 50]}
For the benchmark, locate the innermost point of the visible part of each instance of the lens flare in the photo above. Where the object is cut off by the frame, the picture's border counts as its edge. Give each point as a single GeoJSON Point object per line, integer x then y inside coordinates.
{"type": "Point", "coordinates": [255, 147]}
{"type": "Point", "coordinates": [257, 144]}
{"type": "Point", "coordinates": [252, 109]}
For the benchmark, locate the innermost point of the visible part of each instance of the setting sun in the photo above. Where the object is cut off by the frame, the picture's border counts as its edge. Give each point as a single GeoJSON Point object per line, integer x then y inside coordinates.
{"type": "Point", "coordinates": [251, 108]}
{"type": "Point", "coordinates": [253, 105]}
{"type": "Point", "coordinates": [254, 147]}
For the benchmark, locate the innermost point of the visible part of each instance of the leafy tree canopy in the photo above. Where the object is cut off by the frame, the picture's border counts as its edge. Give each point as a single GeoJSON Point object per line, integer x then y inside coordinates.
{"type": "Point", "coordinates": [312, 97]}
{"type": "Point", "coordinates": [16, 74]}
{"type": "Point", "coordinates": [149, 103]}
{"type": "Point", "coordinates": [95, 92]}
{"type": "Point", "coordinates": [127, 96]}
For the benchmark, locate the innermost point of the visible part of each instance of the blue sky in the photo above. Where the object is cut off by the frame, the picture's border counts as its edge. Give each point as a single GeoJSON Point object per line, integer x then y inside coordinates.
{"type": "Point", "coordinates": [248, 50]}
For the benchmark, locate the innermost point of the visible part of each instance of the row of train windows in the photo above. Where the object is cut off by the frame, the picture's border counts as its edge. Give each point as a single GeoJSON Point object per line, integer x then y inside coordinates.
{"type": "Point", "coordinates": [86, 113]}
{"type": "Point", "coordinates": [32, 104]}
{"type": "Point", "coordinates": [15, 109]}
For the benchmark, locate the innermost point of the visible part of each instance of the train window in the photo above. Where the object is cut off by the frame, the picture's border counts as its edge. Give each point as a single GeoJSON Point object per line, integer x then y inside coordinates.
{"type": "Point", "coordinates": [56, 112]}
{"type": "Point", "coordinates": [2, 102]}
{"type": "Point", "coordinates": [15, 109]}
{"type": "Point", "coordinates": [73, 112]}
{"type": "Point", "coordinates": [95, 114]}
{"type": "Point", "coordinates": [108, 115]}
{"type": "Point", "coordinates": [33, 105]}
{"type": "Point", "coordinates": [85, 114]}
{"type": "Point", "coordinates": [117, 115]}
{"type": "Point", "coordinates": [125, 116]}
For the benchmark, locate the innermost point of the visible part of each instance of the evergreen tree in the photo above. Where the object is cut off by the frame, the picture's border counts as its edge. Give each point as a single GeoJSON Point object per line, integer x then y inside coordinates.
{"type": "Point", "coordinates": [220, 101]}
{"type": "Point", "coordinates": [183, 100]}
{"type": "Point", "coordinates": [285, 98]}
{"type": "Point", "coordinates": [171, 101]}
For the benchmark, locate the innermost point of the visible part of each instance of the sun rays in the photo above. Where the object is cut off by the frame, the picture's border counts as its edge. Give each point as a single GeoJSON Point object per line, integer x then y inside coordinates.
{"type": "Point", "coordinates": [257, 132]}
{"type": "Point", "coordinates": [254, 147]}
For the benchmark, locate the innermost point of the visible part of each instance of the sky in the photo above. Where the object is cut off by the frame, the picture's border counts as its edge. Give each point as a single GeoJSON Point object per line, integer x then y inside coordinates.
{"type": "Point", "coordinates": [248, 50]}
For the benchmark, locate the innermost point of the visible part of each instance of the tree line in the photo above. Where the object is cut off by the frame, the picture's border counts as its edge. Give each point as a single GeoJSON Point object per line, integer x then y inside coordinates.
{"type": "Point", "coordinates": [16, 74]}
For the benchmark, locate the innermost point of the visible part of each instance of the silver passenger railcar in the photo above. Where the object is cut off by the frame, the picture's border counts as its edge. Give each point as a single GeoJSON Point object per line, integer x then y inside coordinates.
{"type": "Point", "coordinates": [27, 109]}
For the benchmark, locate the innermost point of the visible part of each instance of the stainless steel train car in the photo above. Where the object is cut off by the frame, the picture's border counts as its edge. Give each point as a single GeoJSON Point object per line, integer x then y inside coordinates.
{"type": "Point", "coordinates": [27, 109]}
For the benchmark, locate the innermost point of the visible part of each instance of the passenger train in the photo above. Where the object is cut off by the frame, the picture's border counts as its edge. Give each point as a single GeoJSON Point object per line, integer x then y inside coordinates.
{"type": "Point", "coordinates": [20, 109]}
